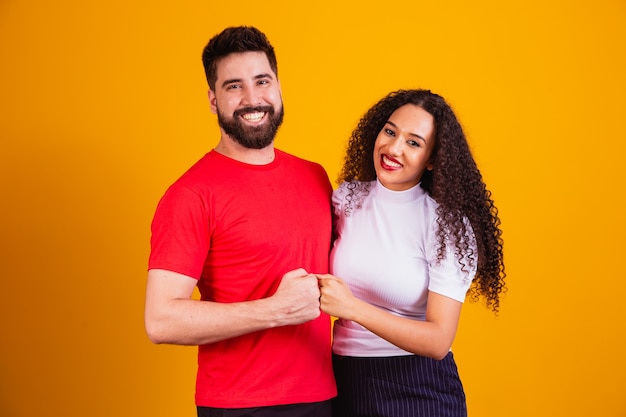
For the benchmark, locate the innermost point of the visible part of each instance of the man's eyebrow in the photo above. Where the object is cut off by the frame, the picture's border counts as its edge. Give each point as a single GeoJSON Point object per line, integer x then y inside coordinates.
{"type": "Point", "coordinates": [256, 77]}
{"type": "Point", "coordinates": [230, 81]}
{"type": "Point", "coordinates": [410, 133]}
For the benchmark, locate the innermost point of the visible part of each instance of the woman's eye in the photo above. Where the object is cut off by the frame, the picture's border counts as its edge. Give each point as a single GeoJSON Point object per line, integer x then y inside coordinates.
{"type": "Point", "coordinates": [390, 132]}
{"type": "Point", "coordinates": [413, 143]}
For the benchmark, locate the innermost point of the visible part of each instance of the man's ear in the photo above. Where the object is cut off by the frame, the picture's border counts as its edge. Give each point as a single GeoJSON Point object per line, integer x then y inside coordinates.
{"type": "Point", "coordinates": [213, 102]}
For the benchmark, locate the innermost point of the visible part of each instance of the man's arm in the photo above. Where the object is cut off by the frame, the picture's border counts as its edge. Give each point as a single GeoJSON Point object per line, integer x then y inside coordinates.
{"type": "Point", "coordinates": [172, 316]}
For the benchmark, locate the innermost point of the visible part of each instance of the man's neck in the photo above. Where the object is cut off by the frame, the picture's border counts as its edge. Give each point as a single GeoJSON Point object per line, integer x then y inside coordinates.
{"type": "Point", "coordinates": [234, 150]}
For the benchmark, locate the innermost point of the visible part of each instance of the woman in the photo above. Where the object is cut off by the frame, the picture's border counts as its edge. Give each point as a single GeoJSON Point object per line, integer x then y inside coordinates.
{"type": "Point", "coordinates": [415, 230]}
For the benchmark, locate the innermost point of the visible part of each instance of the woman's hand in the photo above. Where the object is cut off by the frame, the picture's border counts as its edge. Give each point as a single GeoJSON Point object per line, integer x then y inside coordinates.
{"type": "Point", "coordinates": [431, 337]}
{"type": "Point", "coordinates": [336, 298]}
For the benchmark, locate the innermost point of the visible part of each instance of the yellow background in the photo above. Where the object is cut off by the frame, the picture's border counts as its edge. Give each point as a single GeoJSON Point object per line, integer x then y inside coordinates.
{"type": "Point", "coordinates": [104, 104]}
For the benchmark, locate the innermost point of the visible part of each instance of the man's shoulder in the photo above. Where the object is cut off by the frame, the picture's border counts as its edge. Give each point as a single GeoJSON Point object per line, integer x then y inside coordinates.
{"type": "Point", "coordinates": [198, 173]}
{"type": "Point", "coordinates": [297, 160]}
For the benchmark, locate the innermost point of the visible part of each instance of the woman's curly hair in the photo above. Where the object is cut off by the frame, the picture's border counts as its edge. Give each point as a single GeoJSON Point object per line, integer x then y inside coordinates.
{"type": "Point", "coordinates": [454, 182]}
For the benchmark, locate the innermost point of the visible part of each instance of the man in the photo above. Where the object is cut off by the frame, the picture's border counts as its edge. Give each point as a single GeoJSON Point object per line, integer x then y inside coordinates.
{"type": "Point", "coordinates": [249, 225]}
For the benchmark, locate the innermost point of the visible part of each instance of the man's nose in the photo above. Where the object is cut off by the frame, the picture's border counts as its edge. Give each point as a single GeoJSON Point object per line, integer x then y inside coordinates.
{"type": "Point", "coordinates": [250, 97]}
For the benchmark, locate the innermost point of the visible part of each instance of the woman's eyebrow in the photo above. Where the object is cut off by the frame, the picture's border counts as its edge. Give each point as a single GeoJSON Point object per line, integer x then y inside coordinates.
{"type": "Point", "coordinates": [410, 133]}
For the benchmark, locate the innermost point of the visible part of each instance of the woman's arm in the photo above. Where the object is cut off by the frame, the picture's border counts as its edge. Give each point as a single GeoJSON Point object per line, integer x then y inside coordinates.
{"type": "Point", "coordinates": [432, 337]}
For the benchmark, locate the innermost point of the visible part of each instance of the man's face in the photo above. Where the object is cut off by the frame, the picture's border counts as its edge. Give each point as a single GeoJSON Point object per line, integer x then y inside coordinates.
{"type": "Point", "coordinates": [247, 99]}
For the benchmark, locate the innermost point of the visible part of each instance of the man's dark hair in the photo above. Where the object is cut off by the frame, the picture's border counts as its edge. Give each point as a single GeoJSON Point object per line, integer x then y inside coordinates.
{"type": "Point", "coordinates": [235, 40]}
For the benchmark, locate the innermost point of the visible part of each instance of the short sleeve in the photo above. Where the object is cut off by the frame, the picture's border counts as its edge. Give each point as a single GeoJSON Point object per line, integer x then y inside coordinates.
{"type": "Point", "coordinates": [447, 277]}
{"type": "Point", "coordinates": [180, 230]}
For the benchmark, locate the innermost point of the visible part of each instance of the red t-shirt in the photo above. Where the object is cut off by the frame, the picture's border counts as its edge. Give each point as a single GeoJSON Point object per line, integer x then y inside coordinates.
{"type": "Point", "coordinates": [238, 228]}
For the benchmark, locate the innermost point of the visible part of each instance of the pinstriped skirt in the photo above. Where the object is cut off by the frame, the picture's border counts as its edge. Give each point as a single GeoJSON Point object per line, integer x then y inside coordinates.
{"type": "Point", "coordinates": [398, 386]}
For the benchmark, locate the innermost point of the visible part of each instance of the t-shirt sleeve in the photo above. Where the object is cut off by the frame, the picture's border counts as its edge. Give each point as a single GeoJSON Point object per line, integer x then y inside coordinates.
{"type": "Point", "coordinates": [447, 277]}
{"type": "Point", "coordinates": [180, 230]}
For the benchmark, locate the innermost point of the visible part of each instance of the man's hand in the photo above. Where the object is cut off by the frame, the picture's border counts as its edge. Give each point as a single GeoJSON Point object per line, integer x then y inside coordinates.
{"type": "Point", "coordinates": [297, 297]}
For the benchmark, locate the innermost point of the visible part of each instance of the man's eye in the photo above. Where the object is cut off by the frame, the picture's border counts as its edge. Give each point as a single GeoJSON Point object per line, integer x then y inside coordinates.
{"type": "Point", "coordinates": [232, 86]}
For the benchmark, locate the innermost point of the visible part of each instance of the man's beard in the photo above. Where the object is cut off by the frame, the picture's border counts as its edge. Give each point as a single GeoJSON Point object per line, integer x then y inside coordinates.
{"type": "Point", "coordinates": [257, 137]}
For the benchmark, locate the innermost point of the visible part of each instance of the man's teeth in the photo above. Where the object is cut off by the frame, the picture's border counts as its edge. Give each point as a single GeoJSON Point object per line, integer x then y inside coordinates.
{"type": "Point", "coordinates": [253, 117]}
{"type": "Point", "coordinates": [389, 162]}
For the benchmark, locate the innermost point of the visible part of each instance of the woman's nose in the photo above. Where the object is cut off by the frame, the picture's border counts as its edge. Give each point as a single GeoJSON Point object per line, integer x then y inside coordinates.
{"type": "Point", "coordinates": [395, 146]}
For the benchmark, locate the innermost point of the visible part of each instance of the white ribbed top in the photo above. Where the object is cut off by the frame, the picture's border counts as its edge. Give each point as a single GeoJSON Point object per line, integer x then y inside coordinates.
{"type": "Point", "coordinates": [386, 253]}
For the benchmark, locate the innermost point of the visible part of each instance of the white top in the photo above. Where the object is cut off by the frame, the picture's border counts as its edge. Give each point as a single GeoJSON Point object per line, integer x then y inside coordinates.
{"type": "Point", "coordinates": [386, 251]}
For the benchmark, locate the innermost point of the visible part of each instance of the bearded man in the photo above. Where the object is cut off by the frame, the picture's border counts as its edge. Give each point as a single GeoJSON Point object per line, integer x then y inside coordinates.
{"type": "Point", "coordinates": [249, 226]}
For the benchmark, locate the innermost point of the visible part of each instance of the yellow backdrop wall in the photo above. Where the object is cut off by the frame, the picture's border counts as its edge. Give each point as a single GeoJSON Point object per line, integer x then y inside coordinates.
{"type": "Point", "coordinates": [104, 104]}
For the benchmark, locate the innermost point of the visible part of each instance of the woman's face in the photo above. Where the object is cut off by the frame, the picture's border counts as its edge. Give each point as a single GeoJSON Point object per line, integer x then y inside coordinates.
{"type": "Point", "coordinates": [403, 147]}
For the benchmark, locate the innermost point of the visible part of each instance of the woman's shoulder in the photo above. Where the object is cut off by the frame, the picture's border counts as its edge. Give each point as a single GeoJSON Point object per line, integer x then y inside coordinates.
{"type": "Point", "coordinates": [351, 194]}
{"type": "Point", "coordinates": [353, 188]}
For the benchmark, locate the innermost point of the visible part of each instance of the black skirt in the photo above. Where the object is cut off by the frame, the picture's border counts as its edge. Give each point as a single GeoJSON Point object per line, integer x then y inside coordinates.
{"type": "Point", "coordinates": [398, 386]}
